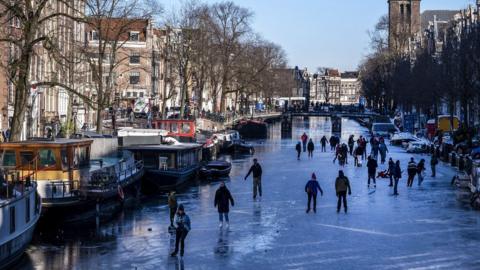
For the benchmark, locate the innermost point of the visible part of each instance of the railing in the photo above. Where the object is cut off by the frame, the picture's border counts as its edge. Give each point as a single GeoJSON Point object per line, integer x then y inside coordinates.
{"type": "Point", "coordinates": [61, 189]}
{"type": "Point", "coordinates": [103, 180]}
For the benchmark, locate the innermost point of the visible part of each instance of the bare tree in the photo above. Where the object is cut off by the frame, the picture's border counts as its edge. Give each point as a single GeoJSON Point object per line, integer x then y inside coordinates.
{"type": "Point", "coordinates": [109, 23]}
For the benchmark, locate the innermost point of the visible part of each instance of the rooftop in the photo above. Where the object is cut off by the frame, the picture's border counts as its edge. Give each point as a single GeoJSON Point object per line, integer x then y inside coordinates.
{"type": "Point", "coordinates": [442, 15]}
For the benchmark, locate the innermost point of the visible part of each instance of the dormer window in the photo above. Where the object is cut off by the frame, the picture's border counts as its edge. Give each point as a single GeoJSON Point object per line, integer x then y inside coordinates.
{"type": "Point", "coordinates": [134, 36]}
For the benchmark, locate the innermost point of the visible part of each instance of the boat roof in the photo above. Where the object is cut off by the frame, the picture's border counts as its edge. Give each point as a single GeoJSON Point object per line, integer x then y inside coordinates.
{"type": "Point", "coordinates": [164, 147]}
{"type": "Point", "coordinates": [51, 143]}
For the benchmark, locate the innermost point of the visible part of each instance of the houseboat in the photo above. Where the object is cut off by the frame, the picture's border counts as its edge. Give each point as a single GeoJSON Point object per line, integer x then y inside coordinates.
{"type": "Point", "coordinates": [168, 166]}
{"type": "Point", "coordinates": [19, 213]}
{"type": "Point", "coordinates": [73, 187]}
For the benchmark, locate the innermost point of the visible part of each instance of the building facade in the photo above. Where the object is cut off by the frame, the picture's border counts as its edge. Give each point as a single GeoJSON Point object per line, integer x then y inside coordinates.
{"type": "Point", "coordinates": [404, 25]}
{"type": "Point", "coordinates": [350, 88]}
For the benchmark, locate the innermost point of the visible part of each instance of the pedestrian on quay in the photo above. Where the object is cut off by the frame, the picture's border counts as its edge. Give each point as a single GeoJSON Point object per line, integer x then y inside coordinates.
{"type": "Point", "coordinates": [383, 151]}
{"type": "Point", "coordinates": [421, 171]}
{"type": "Point", "coordinates": [256, 170]}
{"type": "Point", "coordinates": [298, 148]}
{"type": "Point", "coordinates": [397, 174]}
{"type": "Point", "coordinates": [391, 171]}
{"type": "Point", "coordinates": [172, 205]}
{"type": "Point", "coordinates": [182, 223]}
{"type": "Point", "coordinates": [433, 163]}
{"type": "Point", "coordinates": [412, 171]}
{"type": "Point", "coordinates": [310, 148]}
{"type": "Point", "coordinates": [323, 141]}
{"type": "Point", "coordinates": [311, 188]}
{"type": "Point", "coordinates": [372, 170]}
{"type": "Point", "coordinates": [304, 141]}
{"type": "Point", "coordinates": [223, 199]}
{"type": "Point", "coordinates": [342, 185]}
{"type": "Point", "coordinates": [351, 143]}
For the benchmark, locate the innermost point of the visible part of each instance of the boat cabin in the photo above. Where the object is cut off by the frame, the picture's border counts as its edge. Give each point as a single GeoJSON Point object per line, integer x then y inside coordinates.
{"type": "Point", "coordinates": [168, 157]}
{"type": "Point", "coordinates": [57, 165]}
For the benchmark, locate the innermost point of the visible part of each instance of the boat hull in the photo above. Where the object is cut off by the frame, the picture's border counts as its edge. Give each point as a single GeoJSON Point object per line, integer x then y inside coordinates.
{"type": "Point", "coordinates": [15, 248]}
{"type": "Point", "coordinates": [162, 180]}
{"type": "Point", "coordinates": [92, 207]}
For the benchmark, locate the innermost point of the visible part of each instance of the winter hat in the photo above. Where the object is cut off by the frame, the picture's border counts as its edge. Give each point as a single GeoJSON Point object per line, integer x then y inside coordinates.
{"type": "Point", "coordinates": [180, 207]}
{"type": "Point", "coordinates": [314, 176]}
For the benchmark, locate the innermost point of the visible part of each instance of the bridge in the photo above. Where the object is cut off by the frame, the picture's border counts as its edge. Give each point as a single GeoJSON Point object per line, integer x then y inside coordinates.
{"type": "Point", "coordinates": [369, 115]}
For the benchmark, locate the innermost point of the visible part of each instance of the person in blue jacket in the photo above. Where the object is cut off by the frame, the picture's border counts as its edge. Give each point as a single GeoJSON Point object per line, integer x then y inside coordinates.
{"type": "Point", "coordinates": [182, 224]}
{"type": "Point", "coordinates": [311, 188]}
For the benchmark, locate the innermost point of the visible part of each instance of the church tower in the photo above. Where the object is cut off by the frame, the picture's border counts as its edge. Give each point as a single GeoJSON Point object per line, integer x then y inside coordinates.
{"type": "Point", "coordinates": [404, 25]}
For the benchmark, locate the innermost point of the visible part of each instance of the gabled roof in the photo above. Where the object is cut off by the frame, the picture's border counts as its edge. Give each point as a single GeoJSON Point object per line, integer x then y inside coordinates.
{"type": "Point", "coordinates": [332, 72]}
{"type": "Point", "coordinates": [118, 28]}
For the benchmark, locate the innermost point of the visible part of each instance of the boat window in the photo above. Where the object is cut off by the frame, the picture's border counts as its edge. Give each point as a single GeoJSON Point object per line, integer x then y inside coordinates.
{"type": "Point", "coordinates": [187, 159]}
{"type": "Point", "coordinates": [12, 219]}
{"type": "Point", "coordinates": [185, 128]}
{"type": "Point", "coordinates": [47, 158]}
{"type": "Point", "coordinates": [26, 158]}
{"type": "Point", "coordinates": [9, 158]}
{"type": "Point", "coordinates": [150, 160]}
{"type": "Point", "coordinates": [64, 157]}
{"type": "Point", "coordinates": [169, 159]}
{"type": "Point", "coordinates": [80, 158]}
{"type": "Point", "coordinates": [27, 209]}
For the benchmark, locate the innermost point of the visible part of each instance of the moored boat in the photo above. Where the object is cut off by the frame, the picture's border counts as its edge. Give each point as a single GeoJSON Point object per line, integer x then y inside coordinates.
{"type": "Point", "coordinates": [240, 147]}
{"type": "Point", "coordinates": [72, 187]}
{"type": "Point", "coordinates": [168, 167]}
{"type": "Point", "coordinates": [19, 213]}
{"type": "Point", "coordinates": [216, 169]}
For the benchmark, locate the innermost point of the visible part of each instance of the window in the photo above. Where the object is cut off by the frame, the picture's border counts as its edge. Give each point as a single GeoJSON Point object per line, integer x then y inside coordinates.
{"type": "Point", "coordinates": [64, 157]}
{"type": "Point", "coordinates": [81, 157]}
{"type": "Point", "coordinates": [27, 210]}
{"type": "Point", "coordinates": [95, 35]}
{"type": "Point", "coordinates": [141, 94]}
{"type": "Point", "coordinates": [134, 36]}
{"type": "Point", "coordinates": [26, 158]}
{"type": "Point", "coordinates": [134, 77]}
{"type": "Point", "coordinates": [12, 219]}
{"type": "Point", "coordinates": [9, 158]}
{"type": "Point", "coordinates": [129, 94]}
{"type": "Point", "coordinates": [135, 94]}
{"type": "Point", "coordinates": [135, 58]}
{"type": "Point", "coordinates": [47, 158]}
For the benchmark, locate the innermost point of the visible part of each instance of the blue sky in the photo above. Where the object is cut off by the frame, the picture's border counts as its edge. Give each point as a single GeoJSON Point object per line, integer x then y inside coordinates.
{"type": "Point", "coordinates": [327, 33]}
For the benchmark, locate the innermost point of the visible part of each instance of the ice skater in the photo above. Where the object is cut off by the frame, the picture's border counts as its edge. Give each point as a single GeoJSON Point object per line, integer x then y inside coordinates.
{"type": "Point", "coordinates": [182, 224]}
{"type": "Point", "coordinates": [223, 199]}
{"type": "Point", "coordinates": [372, 170]}
{"type": "Point", "coordinates": [298, 148]}
{"type": "Point", "coordinates": [310, 148]}
{"type": "Point", "coordinates": [342, 185]}
{"type": "Point", "coordinates": [256, 170]}
{"type": "Point", "coordinates": [412, 171]}
{"type": "Point", "coordinates": [311, 188]}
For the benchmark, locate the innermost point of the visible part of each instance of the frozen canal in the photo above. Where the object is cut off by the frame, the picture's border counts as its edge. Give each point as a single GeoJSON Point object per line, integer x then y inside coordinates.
{"type": "Point", "coordinates": [423, 228]}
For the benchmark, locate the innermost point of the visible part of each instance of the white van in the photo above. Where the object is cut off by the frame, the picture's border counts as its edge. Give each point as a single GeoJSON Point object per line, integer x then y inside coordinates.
{"type": "Point", "coordinates": [383, 129]}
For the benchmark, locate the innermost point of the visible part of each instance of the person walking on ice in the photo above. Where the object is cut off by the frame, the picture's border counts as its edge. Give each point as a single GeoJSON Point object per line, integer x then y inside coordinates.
{"type": "Point", "coordinates": [256, 170]}
{"type": "Point", "coordinates": [311, 188]}
{"type": "Point", "coordinates": [182, 224]}
{"type": "Point", "coordinates": [342, 185]}
{"type": "Point", "coordinates": [323, 141]}
{"type": "Point", "coordinates": [223, 199]}
{"type": "Point", "coordinates": [310, 148]}
{"type": "Point", "coordinates": [304, 141]}
{"type": "Point", "coordinates": [412, 171]}
{"type": "Point", "coordinates": [298, 148]}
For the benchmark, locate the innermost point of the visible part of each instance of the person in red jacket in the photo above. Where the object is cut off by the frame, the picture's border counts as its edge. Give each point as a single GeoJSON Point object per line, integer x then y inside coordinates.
{"type": "Point", "coordinates": [304, 141]}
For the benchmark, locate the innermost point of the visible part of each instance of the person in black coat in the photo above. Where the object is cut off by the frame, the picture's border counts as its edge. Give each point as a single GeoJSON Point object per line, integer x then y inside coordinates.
{"type": "Point", "coordinates": [372, 170]}
{"type": "Point", "coordinates": [223, 198]}
{"type": "Point", "coordinates": [310, 148]}
{"type": "Point", "coordinates": [298, 147]}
